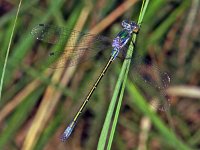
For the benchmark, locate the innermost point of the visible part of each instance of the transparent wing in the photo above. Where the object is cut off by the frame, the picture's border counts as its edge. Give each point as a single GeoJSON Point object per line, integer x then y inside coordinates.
{"type": "Point", "coordinates": [79, 46]}
{"type": "Point", "coordinates": [151, 81]}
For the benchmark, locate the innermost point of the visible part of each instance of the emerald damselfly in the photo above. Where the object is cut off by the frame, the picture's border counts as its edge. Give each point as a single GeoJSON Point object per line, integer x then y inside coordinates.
{"type": "Point", "coordinates": [81, 43]}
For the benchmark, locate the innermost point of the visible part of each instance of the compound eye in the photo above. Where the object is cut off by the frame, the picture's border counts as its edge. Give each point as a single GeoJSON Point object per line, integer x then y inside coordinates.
{"type": "Point", "coordinates": [125, 23]}
{"type": "Point", "coordinates": [135, 28]}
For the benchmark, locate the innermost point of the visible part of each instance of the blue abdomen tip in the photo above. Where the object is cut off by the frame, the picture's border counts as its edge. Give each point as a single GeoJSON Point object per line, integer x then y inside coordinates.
{"type": "Point", "coordinates": [67, 132]}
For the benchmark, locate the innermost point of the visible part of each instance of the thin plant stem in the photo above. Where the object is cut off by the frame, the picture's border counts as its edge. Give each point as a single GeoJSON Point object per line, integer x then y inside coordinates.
{"type": "Point", "coordinates": [8, 50]}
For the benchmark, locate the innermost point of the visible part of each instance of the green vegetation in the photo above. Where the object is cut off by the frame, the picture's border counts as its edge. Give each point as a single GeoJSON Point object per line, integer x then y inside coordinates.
{"type": "Point", "coordinates": [38, 102]}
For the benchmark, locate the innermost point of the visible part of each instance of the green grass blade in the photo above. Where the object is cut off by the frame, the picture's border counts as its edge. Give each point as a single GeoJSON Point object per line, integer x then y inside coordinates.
{"type": "Point", "coordinates": [113, 128]}
{"type": "Point", "coordinates": [8, 50]}
{"type": "Point", "coordinates": [120, 86]}
{"type": "Point", "coordinates": [104, 132]}
{"type": "Point", "coordinates": [127, 64]}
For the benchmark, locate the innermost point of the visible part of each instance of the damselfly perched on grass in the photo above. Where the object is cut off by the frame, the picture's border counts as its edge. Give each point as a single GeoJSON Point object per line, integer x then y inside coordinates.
{"type": "Point", "coordinates": [81, 46]}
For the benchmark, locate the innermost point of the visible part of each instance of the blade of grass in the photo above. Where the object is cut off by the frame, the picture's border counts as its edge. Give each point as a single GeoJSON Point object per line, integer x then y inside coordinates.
{"type": "Point", "coordinates": [127, 64]}
{"type": "Point", "coordinates": [104, 132]}
{"type": "Point", "coordinates": [120, 83]}
{"type": "Point", "coordinates": [8, 50]}
{"type": "Point", "coordinates": [115, 120]}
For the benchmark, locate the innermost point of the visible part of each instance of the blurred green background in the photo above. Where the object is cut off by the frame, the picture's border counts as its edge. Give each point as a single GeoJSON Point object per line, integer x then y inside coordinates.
{"type": "Point", "coordinates": [37, 103]}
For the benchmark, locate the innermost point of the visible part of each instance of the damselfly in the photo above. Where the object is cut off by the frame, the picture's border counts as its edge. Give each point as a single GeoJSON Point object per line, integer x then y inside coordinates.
{"type": "Point", "coordinates": [80, 44]}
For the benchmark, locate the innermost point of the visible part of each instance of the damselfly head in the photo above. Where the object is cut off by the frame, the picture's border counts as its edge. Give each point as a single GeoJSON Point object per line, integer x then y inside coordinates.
{"type": "Point", "coordinates": [130, 26]}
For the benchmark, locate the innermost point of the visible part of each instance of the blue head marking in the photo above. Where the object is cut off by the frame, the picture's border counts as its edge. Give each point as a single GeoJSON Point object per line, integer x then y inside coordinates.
{"type": "Point", "coordinates": [131, 26]}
